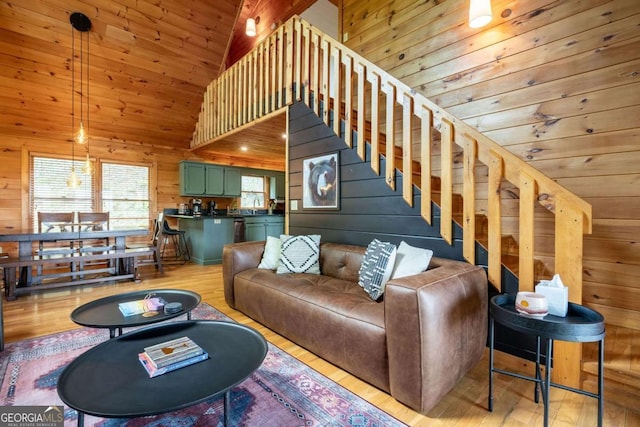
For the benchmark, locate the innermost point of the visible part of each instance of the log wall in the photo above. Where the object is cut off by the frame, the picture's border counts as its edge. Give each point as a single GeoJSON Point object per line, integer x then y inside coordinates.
{"type": "Point", "coordinates": [556, 83]}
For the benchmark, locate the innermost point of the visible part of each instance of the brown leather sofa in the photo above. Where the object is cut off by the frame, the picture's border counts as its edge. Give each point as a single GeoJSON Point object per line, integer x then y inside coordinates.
{"type": "Point", "coordinates": [416, 344]}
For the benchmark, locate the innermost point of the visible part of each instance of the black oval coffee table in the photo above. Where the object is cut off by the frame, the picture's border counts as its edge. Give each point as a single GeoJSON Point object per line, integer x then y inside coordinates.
{"type": "Point", "coordinates": [108, 380]}
{"type": "Point", "coordinates": [104, 312]}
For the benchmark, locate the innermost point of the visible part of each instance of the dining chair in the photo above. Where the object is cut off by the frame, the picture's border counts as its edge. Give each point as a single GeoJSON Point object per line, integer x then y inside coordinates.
{"type": "Point", "coordinates": [51, 222]}
{"type": "Point", "coordinates": [94, 221]}
{"type": "Point", "coordinates": [55, 221]}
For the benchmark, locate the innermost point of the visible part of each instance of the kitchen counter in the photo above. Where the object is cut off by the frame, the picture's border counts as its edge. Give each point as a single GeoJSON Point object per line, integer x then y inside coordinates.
{"type": "Point", "coordinates": [204, 217]}
{"type": "Point", "coordinates": [206, 235]}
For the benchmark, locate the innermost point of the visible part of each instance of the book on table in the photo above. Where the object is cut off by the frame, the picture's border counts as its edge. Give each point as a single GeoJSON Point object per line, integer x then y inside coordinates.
{"type": "Point", "coordinates": [132, 308]}
{"type": "Point", "coordinates": [172, 351]}
{"type": "Point", "coordinates": [154, 372]}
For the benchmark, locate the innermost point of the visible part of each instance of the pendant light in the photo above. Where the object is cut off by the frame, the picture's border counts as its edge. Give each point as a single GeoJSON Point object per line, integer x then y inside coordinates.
{"type": "Point", "coordinates": [250, 28]}
{"type": "Point", "coordinates": [82, 24]}
{"type": "Point", "coordinates": [479, 13]}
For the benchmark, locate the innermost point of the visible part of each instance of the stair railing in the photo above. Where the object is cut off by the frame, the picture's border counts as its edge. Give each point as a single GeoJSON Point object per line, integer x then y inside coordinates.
{"type": "Point", "coordinates": [299, 62]}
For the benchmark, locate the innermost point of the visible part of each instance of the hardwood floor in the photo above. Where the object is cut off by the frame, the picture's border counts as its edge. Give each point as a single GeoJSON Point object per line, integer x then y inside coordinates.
{"type": "Point", "coordinates": [48, 312]}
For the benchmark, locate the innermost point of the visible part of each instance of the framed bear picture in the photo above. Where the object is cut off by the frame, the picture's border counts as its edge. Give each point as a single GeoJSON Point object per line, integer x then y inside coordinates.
{"type": "Point", "coordinates": [320, 182]}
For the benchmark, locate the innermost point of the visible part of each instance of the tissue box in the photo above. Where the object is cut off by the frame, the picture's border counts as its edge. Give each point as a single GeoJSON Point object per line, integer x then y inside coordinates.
{"type": "Point", "coordinates": [557, 299]}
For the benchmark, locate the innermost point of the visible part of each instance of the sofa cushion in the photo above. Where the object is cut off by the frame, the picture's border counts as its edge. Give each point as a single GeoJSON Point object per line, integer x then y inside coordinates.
{"type": "Point", "coordinates": [333, 318]}
{"type": "Point", "coordinates": [410, 260]}
{"type": "Point", "coordinates": [376, 268]}
{"type": "Point", "coordinates": [299, 254]}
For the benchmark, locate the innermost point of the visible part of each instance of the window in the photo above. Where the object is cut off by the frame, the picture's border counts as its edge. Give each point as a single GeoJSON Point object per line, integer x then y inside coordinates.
{"type": "Point", "coordinates": [253, 192]}
{"type": "Point", "coordinates": [125, 194]}
{"type": "Point", "coordinates": [120, 189]}
{"type": "Point", "coordinates": [49, 190]}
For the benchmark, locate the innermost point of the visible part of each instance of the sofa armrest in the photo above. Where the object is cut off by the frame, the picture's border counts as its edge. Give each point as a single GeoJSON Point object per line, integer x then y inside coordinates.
{"type": "Point", "coordinates": [238, 257]}
{"type": "Point", "coordinates": [436, 324]}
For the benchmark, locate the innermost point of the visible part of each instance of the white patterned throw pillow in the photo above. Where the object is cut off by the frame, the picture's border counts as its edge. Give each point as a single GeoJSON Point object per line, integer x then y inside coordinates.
{"type": "Point", "coordinates": [376, 267]}
{"type": "Point", "coordinates": [299, 254]}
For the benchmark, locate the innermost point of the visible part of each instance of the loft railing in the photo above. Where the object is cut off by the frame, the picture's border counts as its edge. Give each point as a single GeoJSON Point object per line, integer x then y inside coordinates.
{"type": "Point", "coordinates": [298, 62]}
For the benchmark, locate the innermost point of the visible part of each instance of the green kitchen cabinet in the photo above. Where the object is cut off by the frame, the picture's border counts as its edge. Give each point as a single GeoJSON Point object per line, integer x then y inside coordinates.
{"type": "Point", "coordinates": [204, 179]}
{"type": "Point", "coordinates": [259, 227]}
{"type": "Point", "coordinates": [277, 186]}
{"type": "Point", "coordinates": [214, 180]}
{"type": "Point", "coordinates": [232, 182]}
{"type": "Point", "coordinates": [192, 179]}
{"type": "Point", "coordinates": [206, 236]}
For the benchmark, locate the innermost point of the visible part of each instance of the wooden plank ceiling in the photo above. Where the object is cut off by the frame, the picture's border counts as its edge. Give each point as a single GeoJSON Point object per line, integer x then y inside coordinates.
{"type": "Point", "coordinates": [150, 62]}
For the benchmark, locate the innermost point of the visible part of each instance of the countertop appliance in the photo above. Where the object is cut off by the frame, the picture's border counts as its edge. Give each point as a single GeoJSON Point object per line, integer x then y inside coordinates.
{"type": "Point", "coordinates": [211, 208]}
{"type": "Point", "coordinates": [196, 207]}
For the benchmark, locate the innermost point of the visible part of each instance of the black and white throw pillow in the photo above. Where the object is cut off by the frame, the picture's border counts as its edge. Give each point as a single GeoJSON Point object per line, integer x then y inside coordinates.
{"type": "Point", "coordinates": [299, 254]}
{"type": "Point", "coordinates": [376, 267]}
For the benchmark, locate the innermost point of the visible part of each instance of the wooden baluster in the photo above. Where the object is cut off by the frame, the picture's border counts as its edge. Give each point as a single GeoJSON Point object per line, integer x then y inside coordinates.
{"type": "Point", "coordinates": [240, 91]}
{"type": "Point", "coordinates": [280, 57]}
{"type": "Point", "coordinates": [526, 246]}
{"type": "Point", "coordinates": [390, 176]}
{"type": "Point", "coordinates": [315, 81]}
{"type": "Point", "coordinates": [271, 76]}
{"type": "Point", "coordinates": [407, 146]}
{"type": "Point", "coordinates": [469, 200]}
{"type": "Point", "coordinates": [218, 119]}
{"type": "Point", "coordinates": [425, 161]}
{"type": "Point", "coordinates": [446, 180]}
{"type": "Point", "coordinates": [348, 98]}
{"type": "Point", "coordinates": [291, 45]}
{"type": "Point", "coordinates": [494, 212]}
{"type": "Point", "coordinates": [325, 81]}
{"type": "Point", "coordinates": [251, 89]}
{"type": "Point", "coordinates": [362, 111]}
{"type": "Point", "coordinates": [260, 80]}
{"type": "Point", "coordinates": [374, 80]}
{"type": "Point", "coordinates": [246, 89]}
{"type": "Point", "coordinates": [336, 85]}
{"type": "Point", "coordinates": [306, 65]}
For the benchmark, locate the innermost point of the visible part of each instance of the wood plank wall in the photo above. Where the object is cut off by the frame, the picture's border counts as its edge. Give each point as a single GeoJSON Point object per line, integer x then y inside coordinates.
{"type": "Point", "coordinates": [557, 83]}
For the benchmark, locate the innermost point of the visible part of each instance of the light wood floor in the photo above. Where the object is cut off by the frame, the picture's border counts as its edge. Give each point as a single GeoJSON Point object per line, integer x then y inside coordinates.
{"type": "Point", "coordinates": [45, 313]}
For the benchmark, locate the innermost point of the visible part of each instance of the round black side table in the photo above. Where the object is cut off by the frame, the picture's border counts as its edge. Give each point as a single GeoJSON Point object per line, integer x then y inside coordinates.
{"type": "Point", "coordinates": [580, 325]}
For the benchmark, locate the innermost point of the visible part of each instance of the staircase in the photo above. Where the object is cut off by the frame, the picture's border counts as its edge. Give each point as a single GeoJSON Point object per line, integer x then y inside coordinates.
{"type": "Point", "coordinates": [297, 62]}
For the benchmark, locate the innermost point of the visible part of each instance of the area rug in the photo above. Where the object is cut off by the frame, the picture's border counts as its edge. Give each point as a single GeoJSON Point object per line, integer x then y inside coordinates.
{"type": "Point", "coordinates": [282, 392]}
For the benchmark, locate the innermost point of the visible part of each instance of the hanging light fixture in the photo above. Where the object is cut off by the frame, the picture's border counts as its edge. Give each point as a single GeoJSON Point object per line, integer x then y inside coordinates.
{"type": "Point", "coordinates": [250, 28]}
{"type": "Point", "coordinates": [82, 24]}
{"type": "Point", "coordinates": [479, 13]}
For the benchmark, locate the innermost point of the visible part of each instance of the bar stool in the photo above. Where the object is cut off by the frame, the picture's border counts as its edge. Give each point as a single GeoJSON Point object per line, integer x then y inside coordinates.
{"type": "Point", "coordinates": [180, 248]}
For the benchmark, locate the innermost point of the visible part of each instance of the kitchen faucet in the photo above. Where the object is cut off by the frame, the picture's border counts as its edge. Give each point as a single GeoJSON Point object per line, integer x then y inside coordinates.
{"type": "Point", "coordinates": [255, 201]}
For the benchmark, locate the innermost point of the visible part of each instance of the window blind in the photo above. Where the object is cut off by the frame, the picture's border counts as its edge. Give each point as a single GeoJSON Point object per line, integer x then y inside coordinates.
{"type": "Point", "coordinates": [125, 193]}
{"type": "Point", "coordinates": [49, 190]}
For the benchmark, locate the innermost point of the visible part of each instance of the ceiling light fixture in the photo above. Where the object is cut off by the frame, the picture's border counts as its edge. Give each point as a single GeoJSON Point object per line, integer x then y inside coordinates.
{"type": "Point", "coordinates": [479, 13]}
{"type": "Point", "coordinates": [250, 28]}
{"type": "Point", "coordinates": [82, 24]}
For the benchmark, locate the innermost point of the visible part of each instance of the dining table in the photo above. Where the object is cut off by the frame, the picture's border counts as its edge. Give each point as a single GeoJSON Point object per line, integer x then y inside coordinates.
{"type": "Point", "coordinates": [123, 259]}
